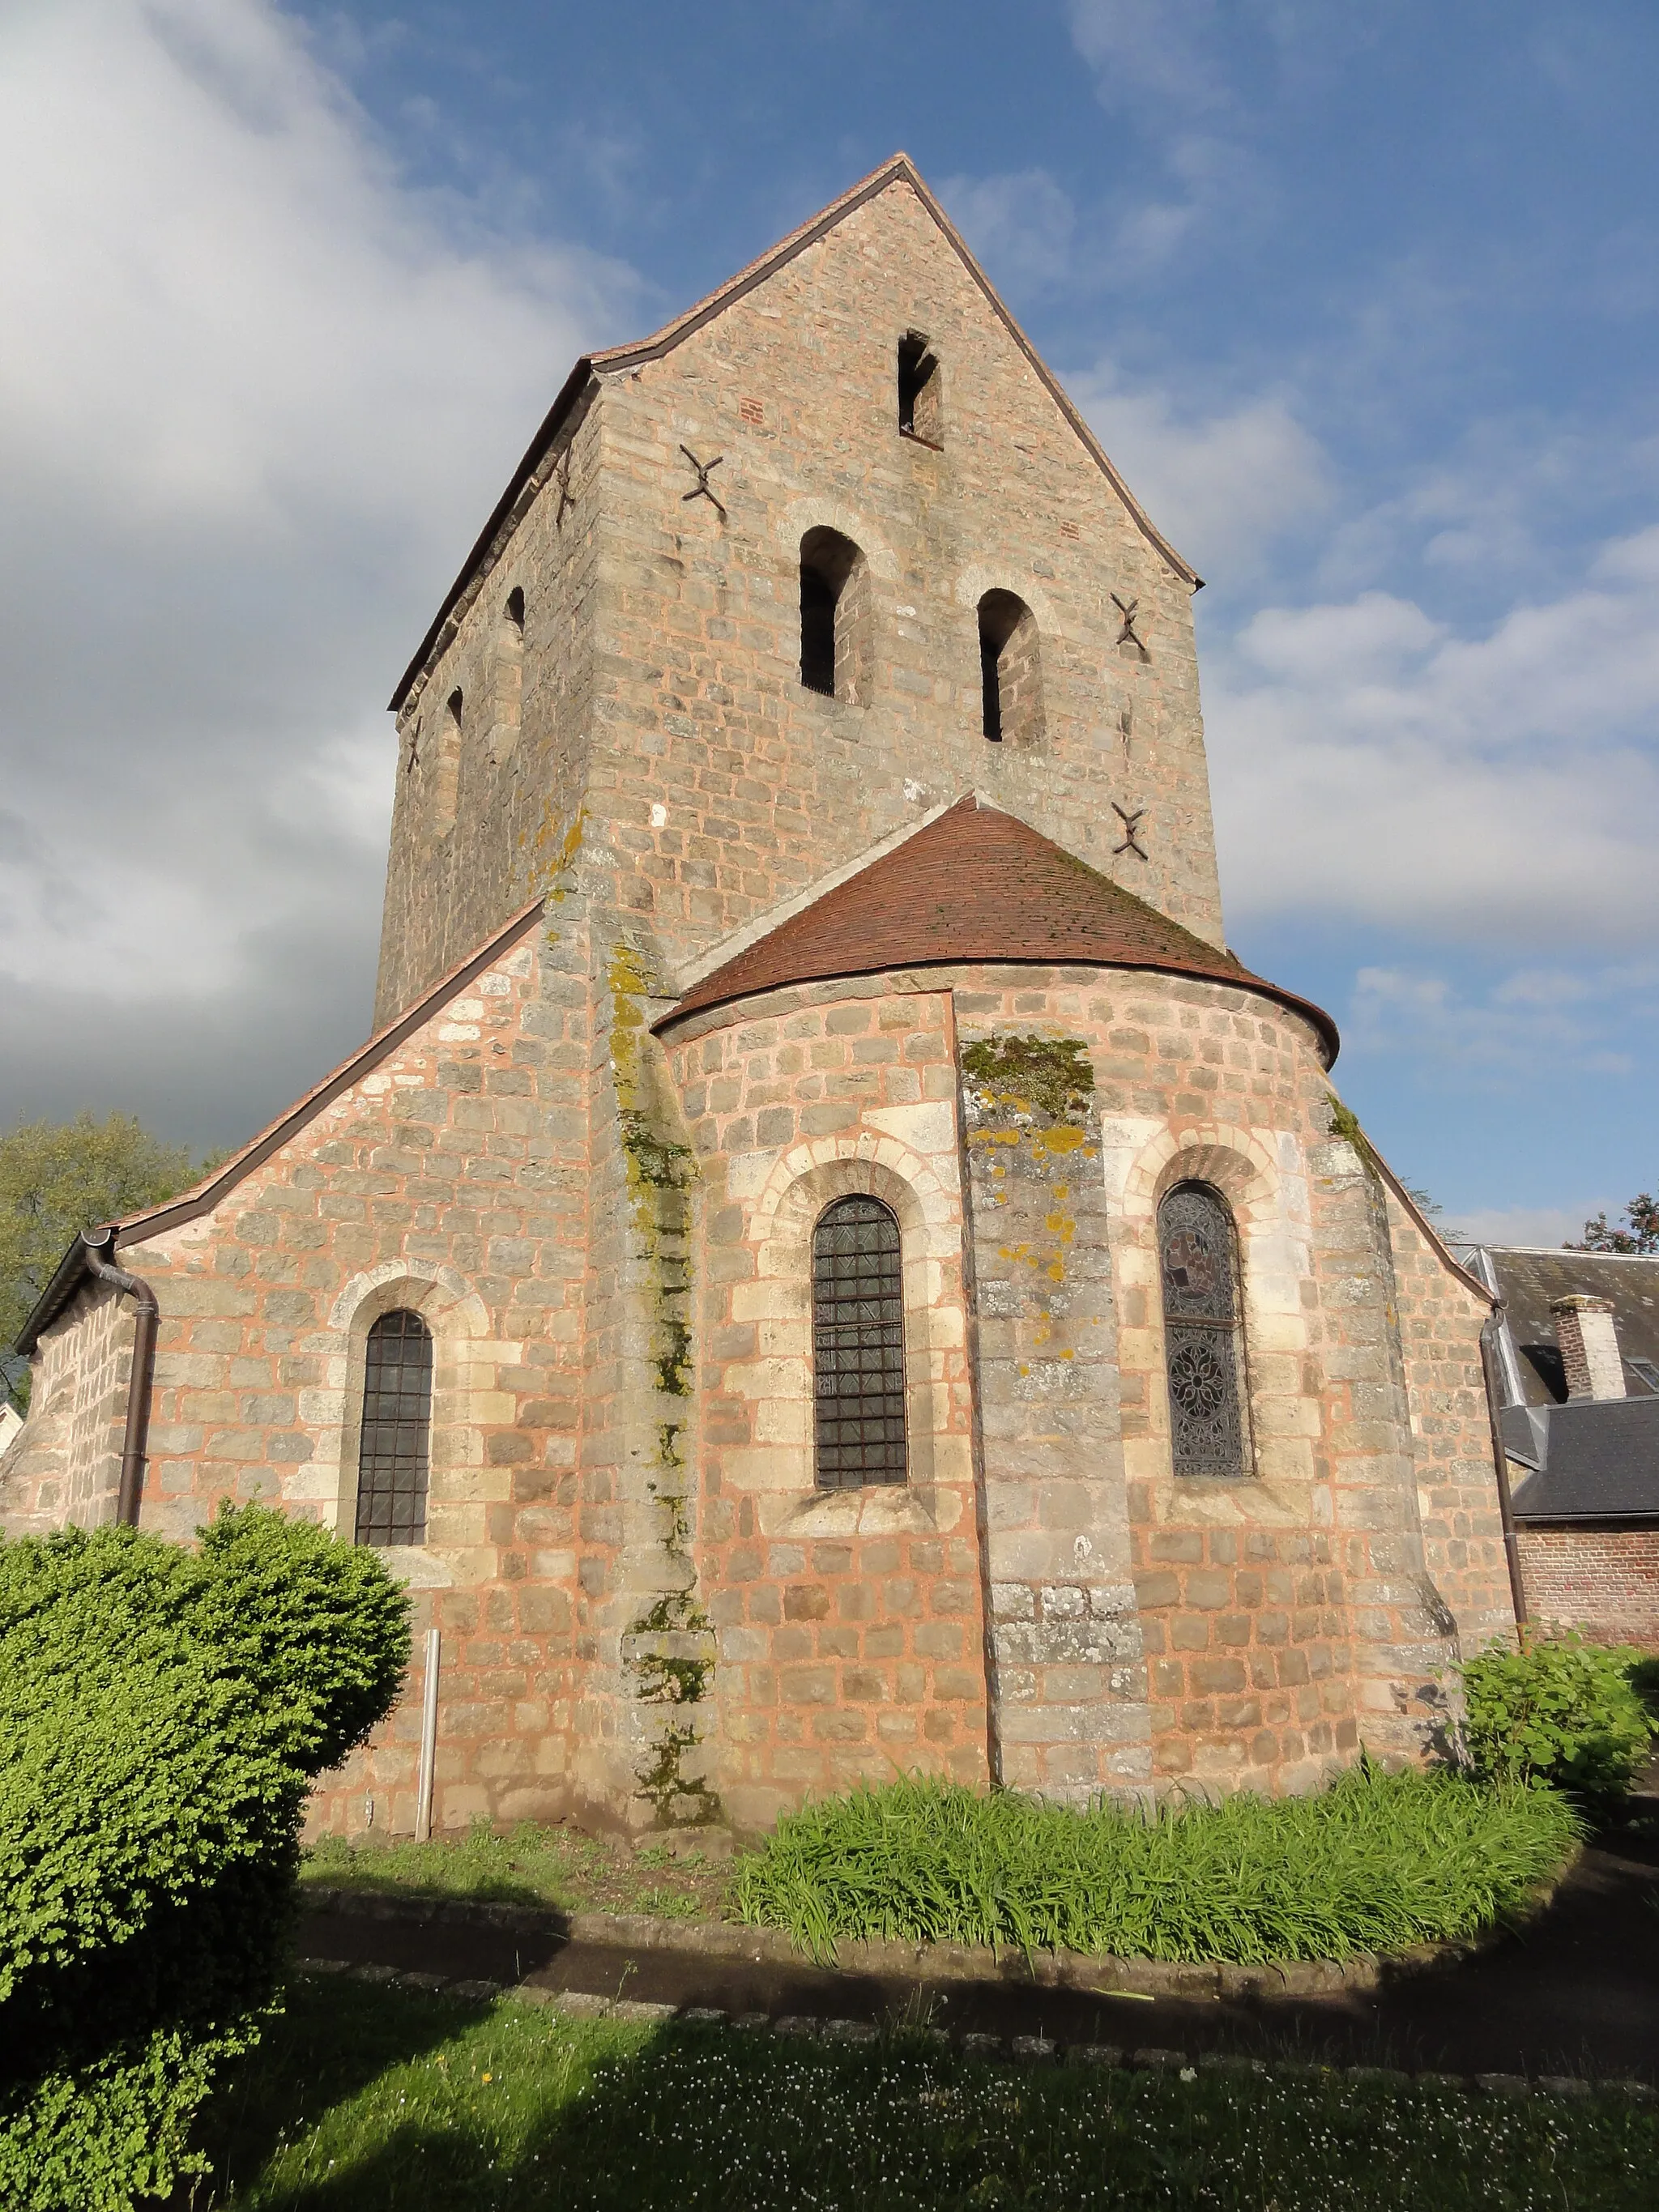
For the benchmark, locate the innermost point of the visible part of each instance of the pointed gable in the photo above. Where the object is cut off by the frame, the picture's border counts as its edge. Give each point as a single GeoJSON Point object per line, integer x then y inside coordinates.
{"type": "Point", "coordinates": [976, 884]}
{"type": "Point", "coordinates": [898, 171]}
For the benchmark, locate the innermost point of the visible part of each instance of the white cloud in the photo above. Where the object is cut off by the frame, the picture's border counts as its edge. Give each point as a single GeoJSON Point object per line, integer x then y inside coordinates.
{"type": "Point", "coordinates": [1548, 1225]}
{"type": "Point", "coordinates": [256, 393]}
{"type": "Point", "coordinates": [1220, 486]}
{"type": "Point", "coordinates": [1161, 50]}
{"type": "Point", "coordinates": [1020, 225]}
{"type": "Point", "coordinates": [1370, 763]}
{"type": "Point", "coordinates": [1556, 1017]}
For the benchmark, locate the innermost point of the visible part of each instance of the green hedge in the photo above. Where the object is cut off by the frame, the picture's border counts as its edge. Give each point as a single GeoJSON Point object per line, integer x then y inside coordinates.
{"type": "Point", "coordinates": [1374, 1864]}
{"type": "Point", "coordinates": [162, 1714]}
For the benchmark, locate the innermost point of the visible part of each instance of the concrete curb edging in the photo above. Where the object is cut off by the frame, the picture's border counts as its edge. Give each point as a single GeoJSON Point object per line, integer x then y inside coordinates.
{"type": "Point", "coordinates": [1097, 1974]}
{"type": "Point", "coordinates": [1020, 2049]}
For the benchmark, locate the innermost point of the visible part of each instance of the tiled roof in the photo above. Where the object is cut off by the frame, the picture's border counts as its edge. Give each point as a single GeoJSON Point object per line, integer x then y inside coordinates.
{"type": "Point", "coordinates": [977, 884]}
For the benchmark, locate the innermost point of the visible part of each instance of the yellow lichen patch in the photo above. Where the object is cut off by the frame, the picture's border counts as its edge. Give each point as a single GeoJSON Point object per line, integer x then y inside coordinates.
{"type": "Point", "coordinates": [1057, 1142]}
{"type": "Point", "coordinates": [557, 844]}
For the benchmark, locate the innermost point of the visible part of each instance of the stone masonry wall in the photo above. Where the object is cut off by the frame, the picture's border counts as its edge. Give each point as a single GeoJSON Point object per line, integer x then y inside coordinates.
{"type": "Point", "coordinates": [481, 823]}
{"type": "Point", "coordinates": [661, 672]}
{"type": "Point", "coordinates": [450, 1177]}
{"type": "Point", "coordinates": [848, 1624]}
{"type": "Point", "coordinates": [1145, 1630]}
{"type": "Point", "coordinates": [64, 1464]}
{"type": "Point", "coordinates": [1441, 1318]}
{"type": "Point", "coordinates": [1603, 1582]}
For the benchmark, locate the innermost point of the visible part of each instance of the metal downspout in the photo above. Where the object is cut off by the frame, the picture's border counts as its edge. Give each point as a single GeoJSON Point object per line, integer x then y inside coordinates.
{"type": "Point", "coordinates": [1501, 1464]}
{"type": "Point", "coordinates": [139, 1382]}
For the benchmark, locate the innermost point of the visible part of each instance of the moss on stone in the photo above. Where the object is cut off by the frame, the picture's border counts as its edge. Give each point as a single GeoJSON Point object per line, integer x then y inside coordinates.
{"type": "Point", "coordinates": [1053, 1074]}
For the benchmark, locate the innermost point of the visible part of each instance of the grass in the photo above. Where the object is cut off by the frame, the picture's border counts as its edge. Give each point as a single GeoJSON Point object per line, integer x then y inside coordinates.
{"type": "Point", "coordinates": [1376, 1863]}
{"type": "Point", "coordinates": [555, 1868]}
{"type": "Point", "coordinates": [364, 2099]}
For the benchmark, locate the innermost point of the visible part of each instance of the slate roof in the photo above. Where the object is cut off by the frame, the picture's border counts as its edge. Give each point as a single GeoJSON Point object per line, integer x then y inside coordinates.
{"type": "Point", "coordinates": [1527, 1278]}
{"type": "Point", "coordinates": [1596, 1459]}
{"type": "Point", "coordinates": [976, 884]}
{"type": "Point", "coordinates": [514, 501]}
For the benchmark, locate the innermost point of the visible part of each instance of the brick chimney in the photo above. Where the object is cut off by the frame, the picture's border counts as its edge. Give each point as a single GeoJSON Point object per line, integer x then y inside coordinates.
{"type": "Point", "coordinates": [1589, 1346]}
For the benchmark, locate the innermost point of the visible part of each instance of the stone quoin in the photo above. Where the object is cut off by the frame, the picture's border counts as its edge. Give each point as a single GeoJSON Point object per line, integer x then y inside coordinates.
{"type": "Point", "coordinates": [898, 1292]}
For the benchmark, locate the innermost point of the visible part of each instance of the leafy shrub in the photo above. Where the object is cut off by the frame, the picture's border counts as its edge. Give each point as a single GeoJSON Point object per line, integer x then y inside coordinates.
{"type": "Point", "coordinates": [161, 1713]}
{"type": "Point", "coordinates": [1376, 1862]}
{"type": "Point", "coordinates": [1561, 1711]}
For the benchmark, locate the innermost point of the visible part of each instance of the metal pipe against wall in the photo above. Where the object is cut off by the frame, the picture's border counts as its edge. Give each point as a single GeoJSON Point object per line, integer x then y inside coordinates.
{"type": "Point", "coordinates": [428, 1742]}
{"type": "Point", "coordinates": [1501, 1465]}
{"type": "Point", "coordinates": [140, 1381]}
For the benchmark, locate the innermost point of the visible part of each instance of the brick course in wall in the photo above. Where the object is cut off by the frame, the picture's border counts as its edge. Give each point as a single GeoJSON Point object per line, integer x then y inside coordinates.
{"type": "Point", "coordinates": [1602, 1581]}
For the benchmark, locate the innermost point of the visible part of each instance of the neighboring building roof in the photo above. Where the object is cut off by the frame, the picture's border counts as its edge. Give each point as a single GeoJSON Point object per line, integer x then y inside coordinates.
{"type": "Point", "coordinates": [898, 169]}
{"type": "Point", "coordinates": [72, 1270]}
{"type": "Point", "coordinates": [1529, 1279]}
{"type": "Point", "coordinates": [1596, 1459]}
{"type": "Point", "coordinates": [977, 884]}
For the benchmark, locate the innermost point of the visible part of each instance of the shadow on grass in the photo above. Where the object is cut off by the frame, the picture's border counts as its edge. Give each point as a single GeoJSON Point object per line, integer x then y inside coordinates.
{"type": "Point", "coordinates": [333, 2040]}
{"type": "Point", "coordinates": [516, 2112]}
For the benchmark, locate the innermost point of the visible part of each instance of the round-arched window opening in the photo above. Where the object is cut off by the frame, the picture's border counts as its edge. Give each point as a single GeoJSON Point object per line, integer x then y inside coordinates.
{"type": "Point", "coordinates": [394, 1452]}
{"type": "Point", "coordinates": [1203, 1336]}
{"type": "Point", "coordinates": [858, 1346]}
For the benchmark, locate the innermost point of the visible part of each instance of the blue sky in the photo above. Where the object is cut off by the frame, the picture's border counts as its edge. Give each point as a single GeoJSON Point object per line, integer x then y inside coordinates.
{"type": "Point", "coordinates": [1361, 297]}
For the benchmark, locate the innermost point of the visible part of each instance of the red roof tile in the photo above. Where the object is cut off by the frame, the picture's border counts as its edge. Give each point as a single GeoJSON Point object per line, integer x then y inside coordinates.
{"type": "Point", "coordinates": [976, 884]}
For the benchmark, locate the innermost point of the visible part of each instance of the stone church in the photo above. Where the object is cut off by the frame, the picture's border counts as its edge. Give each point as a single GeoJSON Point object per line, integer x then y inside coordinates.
{"type": "Point", "coordinates": [827, 1266]}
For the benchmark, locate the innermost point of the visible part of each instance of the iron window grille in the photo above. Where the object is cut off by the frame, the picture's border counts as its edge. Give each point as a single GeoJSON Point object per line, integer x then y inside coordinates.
{"type": "Point", "coordinates": [858, 1346]}
{"type": "Point", "coordinates": [1209, 1431]}
{"type": "Point", "coordinates": [394, 1454]}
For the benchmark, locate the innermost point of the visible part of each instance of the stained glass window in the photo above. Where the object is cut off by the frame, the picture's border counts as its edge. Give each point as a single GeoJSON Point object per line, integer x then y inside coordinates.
{"type": "Point", "coordinates": [1197, 1257]}
{"type": "Point", "coordinates": [858, 1344]}
{"type": "Point", "coordinates": [393, 1455]}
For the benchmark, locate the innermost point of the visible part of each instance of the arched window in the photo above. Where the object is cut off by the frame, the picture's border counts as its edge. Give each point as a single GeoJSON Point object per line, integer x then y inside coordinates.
{"type": "Point", "coordinates": [447, 768]}
{"type": "Point", "coordinates": [1203, 1343]}
{"type": "Point", "coordinates": [394, 1453]}
{"type": "Point", "coordinates": [1011, 674]}
{"type": "Point", "coordinates": [506, 677]}
{"type": "Point", "coordinates": [921, 390]}
{"type": "Point", "coordinates": [834, 616]}
{"type": "Point", "coordinates": [858, 1344]}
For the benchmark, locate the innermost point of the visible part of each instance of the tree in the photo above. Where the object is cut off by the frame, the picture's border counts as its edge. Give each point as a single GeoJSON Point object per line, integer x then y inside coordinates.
{"type": "Point", "coordinates": [57, 1178]}
{"type": "Point", "coordinates": [1643, 1235]}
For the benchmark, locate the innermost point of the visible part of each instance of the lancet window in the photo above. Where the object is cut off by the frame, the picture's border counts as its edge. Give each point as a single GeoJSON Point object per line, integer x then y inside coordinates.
{"type": "Point", "coordinates": [394, 1454]}
{"type": "Point", "coordinates": [858, 1344]}
{"type": "Point", "coordinates": [1203, 1341]}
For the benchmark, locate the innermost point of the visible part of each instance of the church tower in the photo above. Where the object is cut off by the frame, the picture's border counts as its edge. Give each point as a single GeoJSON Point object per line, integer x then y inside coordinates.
{"type": "Point", "coordinates": [817, 558]}
{"type": "Point", "coordinates": [874, 1283]}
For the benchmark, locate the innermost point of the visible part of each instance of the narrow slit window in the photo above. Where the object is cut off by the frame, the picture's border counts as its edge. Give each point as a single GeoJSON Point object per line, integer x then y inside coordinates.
{"type": "Point", "coordinates": [919, 411]}
{"type": "Point", "coordinates": [394, 1455]}
{"type": "Point", "coordinates": [834, 617]}
{"type": "Point", "coordinates": [1203, 1346]}
{"type": "Point", "coordinates": [818, 632]}
{"type": "Point", "coordinates": [858, 1346]}
{"type": "Point", "coordinates": [507, 678]}
{"type": "Point", "coordinates": [1010, 672]}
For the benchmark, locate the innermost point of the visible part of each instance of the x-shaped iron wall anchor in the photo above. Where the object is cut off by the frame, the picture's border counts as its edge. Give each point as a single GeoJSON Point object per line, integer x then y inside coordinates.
{"type": "Point", "coordinates": [704, 470]}
{"type": "Point", "coordinates": [1126, 608]}
{"type": "Point", "coordinates": [414, 760]}
{"type": "Point", "coordinates": [1131, 824]}
{"type": "Point", "coordinates": [562, 477]}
